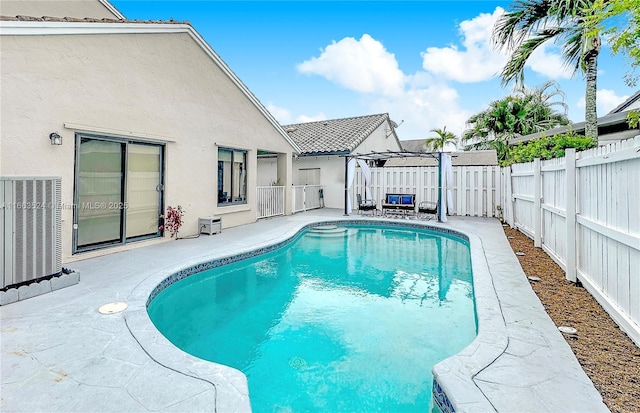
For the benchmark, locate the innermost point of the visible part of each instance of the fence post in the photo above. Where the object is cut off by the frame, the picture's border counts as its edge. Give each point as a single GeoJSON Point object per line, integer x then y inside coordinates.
{"type": "Point", "coordinates": [570, 211]}
{"type": "Point", "coordinates": [537, 204]}
{"type": "Point", "coordinates": [304, 198]}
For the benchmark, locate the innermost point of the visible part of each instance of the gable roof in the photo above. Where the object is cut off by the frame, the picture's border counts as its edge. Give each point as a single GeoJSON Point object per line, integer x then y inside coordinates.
{"type": "Point", "coordinates": [626, 104]}
{"type": "Point", "coordinates": [38, 26]}
{"type": "Point", "coordinates": [335, 136]}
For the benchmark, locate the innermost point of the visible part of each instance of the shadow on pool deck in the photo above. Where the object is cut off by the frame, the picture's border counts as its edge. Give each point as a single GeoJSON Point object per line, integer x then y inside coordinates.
{"type": "Point", "coordinates": [60, 354]}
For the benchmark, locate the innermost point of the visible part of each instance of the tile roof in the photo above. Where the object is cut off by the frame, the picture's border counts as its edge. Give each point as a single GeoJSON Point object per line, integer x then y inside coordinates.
{"type": "Point", "coordinates": [85, 20]}
{"type": "Point", "coordinates": [335, 135]}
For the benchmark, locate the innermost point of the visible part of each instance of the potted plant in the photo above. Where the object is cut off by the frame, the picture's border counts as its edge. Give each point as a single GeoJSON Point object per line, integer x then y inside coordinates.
{"type": "Point", "coordinates": [172, 220]}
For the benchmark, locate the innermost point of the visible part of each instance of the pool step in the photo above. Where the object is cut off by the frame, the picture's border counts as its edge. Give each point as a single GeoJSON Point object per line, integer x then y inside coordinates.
{"type": "Point", "coordinates": [328, 231]}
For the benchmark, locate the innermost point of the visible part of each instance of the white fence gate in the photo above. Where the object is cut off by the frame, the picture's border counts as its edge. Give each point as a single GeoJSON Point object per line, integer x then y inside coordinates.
{"type": "Point", "coordinates": [584, 211]}
{"type": "Point", "coordinates": [270, 201]}
{"type": "Point", "coordinates": [306, 197]}
{"type": "Point", "coordinates": [476, 191]}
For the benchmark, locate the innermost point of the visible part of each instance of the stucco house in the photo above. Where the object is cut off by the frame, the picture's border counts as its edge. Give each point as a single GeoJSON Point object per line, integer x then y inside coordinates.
{"type": "Point", "coordinates": [128, 117]}
{"type": "Point", "coordinates": [323, 144]}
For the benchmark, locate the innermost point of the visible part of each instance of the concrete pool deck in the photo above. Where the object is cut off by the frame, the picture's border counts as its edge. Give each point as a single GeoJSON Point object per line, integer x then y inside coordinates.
{"type": "Point", "coordinates": [58, 353]}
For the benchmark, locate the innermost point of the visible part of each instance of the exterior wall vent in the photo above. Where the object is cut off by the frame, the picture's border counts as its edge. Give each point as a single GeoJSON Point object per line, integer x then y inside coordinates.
{"type": "Point", "coordinates": [30, 224]}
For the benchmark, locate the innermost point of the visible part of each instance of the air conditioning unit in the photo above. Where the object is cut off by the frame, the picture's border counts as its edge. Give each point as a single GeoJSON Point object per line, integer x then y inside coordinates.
{"type": "Point", "coordinates": [30, 223]}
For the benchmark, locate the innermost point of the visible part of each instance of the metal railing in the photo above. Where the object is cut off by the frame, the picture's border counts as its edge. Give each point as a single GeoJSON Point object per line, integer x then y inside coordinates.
{"type": "Point", "coordinates": [270, 201]}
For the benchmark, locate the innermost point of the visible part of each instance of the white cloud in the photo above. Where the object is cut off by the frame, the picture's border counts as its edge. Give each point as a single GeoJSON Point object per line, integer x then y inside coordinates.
{"type": "Point", "coordinates": [421, 100]}
{"type": "Point", "coordinates": [547, 63]}
{"type": "Point", "coordinates": [315, 118]}
{"type": "Point", "coordinates": [423, 109]}
{"type": "Point", "coordinates": [476, 60]}
{"type": "Point", "coordinates": [606, 100]}
{"type": "Point", "coordinates": [362, 65]}
{"type": "Point", "coordinates": [282, 115]}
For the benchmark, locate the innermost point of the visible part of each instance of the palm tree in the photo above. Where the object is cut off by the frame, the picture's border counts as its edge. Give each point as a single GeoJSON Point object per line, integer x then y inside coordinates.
{"type": "Point", "coordinates": [437, 143]}
{"type": "Point", "coordinates": [527, 110]}
{"type": "Point", "coordinates": [528, 24]}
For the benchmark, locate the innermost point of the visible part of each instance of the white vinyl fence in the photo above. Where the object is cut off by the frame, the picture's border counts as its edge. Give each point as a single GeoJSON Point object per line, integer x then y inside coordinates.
{"type": "Point", "coordinates": [306, 197]}
{"type": "Point", "coordinates": [584, 211]}
{"type": "Point", "coordinates": [270, 201]}
{"type": "Point", "coordinates": [476, 190]}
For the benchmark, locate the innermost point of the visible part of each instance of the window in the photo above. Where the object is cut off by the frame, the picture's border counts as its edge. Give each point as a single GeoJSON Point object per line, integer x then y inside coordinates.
{"type": "Point", "coordinates": [118, 191]}
{"type": "Point", "coordinates": [232, 176]}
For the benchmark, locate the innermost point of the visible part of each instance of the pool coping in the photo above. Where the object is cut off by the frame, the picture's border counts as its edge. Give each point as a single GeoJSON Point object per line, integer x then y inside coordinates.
{"type": "Point", "coordinates": [59, 347]}
{"type": "Point", "coordinates": [458, 381]}
{"type": "Point", "coordinates": [163, 352]}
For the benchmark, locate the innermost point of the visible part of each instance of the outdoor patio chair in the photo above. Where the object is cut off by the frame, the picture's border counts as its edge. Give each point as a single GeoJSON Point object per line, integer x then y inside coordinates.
{"type": "Point", "coordinates": [428, 208]}
{"type": "Point", "coordinates": [368, 205]}
{"type": "Point", "coordinates": [402, 203]}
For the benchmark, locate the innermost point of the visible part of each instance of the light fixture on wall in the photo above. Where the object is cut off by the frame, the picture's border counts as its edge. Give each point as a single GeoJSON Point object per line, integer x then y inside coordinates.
{"type": "Point", "coordinates": [55, 138]}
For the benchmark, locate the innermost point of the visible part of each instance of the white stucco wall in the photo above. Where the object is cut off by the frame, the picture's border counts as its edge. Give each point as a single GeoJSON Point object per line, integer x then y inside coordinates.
{"type": "Point", "coordinates": [57, 8]}
{"type": "Point", "coordinates": [381, 140]}
{"type": "Point", "coordinates": [162, 87]}
{"type": "Point", "coordinates": [332, 166]}
{"type": "Point", "coordinates": [267, 171]}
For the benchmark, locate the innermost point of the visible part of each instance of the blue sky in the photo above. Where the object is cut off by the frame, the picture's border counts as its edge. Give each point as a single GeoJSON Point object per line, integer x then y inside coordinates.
{"type": "Point", "coordinates": [427, 63]}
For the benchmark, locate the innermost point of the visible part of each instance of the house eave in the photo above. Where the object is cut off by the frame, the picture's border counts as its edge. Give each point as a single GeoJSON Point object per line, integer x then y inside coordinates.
{"type": "Point", "coordinates": [325, 153]}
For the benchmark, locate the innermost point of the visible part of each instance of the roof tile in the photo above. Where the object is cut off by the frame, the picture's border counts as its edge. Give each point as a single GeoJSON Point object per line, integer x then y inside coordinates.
{"type": "Point", "coordinates": [336, 135]}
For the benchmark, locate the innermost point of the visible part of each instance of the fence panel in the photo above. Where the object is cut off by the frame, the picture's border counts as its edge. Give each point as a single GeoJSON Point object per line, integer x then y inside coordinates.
{"type": "Point", "coordinates": [554, 203]}
{"type": "Point", "coordinates": [605, 245]}
{"type": "Point", "coordinates": [476, 190]}
{"type": "Point", "coordinates": [522, 193]}
{"type": "Point", "coordinates": [306, 197]}
{"type": "Point", "coordinates": [609, 228]}
{"type": "Point", "coordinates": [270, 201]}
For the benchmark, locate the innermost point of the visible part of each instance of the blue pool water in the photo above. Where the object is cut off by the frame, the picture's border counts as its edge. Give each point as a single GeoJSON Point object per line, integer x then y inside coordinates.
{"type": "Point", "coordinates": [349, 322]}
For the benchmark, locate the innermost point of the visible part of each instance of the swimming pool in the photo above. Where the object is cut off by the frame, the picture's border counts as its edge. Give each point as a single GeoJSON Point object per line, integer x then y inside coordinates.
{"type": "Point", "coordinates": [348, 320]}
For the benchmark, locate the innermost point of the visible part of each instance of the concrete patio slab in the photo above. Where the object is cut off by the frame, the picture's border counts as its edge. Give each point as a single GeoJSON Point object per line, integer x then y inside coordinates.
{"type": "Point", "coordinates": [58, 353]}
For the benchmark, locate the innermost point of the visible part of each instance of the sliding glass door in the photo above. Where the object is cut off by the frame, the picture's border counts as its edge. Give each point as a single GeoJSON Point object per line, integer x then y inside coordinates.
{"type": "Point", "coordinates": [118, 191]}
{"type": "Point", "coordinates": [143, 184]}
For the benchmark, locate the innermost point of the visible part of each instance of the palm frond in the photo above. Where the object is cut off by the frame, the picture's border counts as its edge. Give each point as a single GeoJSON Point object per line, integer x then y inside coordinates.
{"type": "Point", "coordinates": [523, 18]}
{"type": "Point", "coordinates": [514, 69]}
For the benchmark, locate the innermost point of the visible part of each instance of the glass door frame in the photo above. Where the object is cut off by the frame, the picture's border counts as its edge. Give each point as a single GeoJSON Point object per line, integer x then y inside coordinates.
{"type": "Point", "coordinates": [123, 188]}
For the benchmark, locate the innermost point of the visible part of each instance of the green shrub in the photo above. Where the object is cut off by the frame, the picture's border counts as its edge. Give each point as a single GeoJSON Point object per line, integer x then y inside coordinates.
{"type": "Point", "coordinates": [547, 147]}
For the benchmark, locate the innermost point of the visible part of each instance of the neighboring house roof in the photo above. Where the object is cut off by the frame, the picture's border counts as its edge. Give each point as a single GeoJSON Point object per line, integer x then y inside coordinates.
{"type": "Point", "coordinates": [631, 103]}
{"type": "Point", "coordinates": [335, 136]}
{"type": "Point", "coordinates": [37, 26]}
{"type": "Point", "coordinates": [463, 158]}
{"type": "Point", "coordinates": [415, 145]}
{"type": "Point", "coordinates": [610, 127]}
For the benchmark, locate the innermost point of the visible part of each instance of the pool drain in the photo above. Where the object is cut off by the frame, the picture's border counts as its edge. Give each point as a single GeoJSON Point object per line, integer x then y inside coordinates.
{"type": "Point", "coordinates": [297, 363]}
{"type": "Point", "coordinates": [112, 308]}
